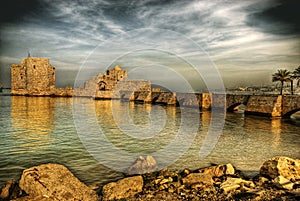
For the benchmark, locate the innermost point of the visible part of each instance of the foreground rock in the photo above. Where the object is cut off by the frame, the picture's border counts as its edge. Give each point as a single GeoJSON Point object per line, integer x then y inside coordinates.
{"type": "Point", "coordinates": [54, 182]}
{"type": "Point", "coordinates": [208, 175]}
{"type": "Point", "coordinates": [10, 191]}
{"type": "Point", "coordinates": [123, 188]}
{"type": "Point", "coordinates": [284, 171]}
{"type": "Point", "coordinates": [281, 166]}
{"type": "Point", "coordinates": [279, 180]}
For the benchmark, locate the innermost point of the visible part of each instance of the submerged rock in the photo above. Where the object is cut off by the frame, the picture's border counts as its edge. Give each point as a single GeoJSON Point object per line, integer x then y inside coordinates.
{"type": "Point", "coordinates": [54, 181]}
{"type": "Point", "coordinates": [142, 166]}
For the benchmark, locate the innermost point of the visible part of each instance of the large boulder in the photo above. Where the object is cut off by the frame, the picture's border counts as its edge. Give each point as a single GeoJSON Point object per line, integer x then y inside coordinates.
{"type": "Point", "coordinates": [55, 182]}
{"type": "Point", "coordinates": [142, 166]}
{"type": "Point", "coordinates": [123, 188]}
{"type": "Point", "coordinates": [207, 175]}
{"type": "Point", "coordinates": [281, 166]}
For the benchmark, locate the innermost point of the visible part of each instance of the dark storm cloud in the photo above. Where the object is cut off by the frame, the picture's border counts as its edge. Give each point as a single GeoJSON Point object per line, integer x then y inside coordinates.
{"type": "Point", "coordinates": [237, 35]}
{"type": "Point", "coordinates": [281, 17]}
{"type": "Point", "coordinates": [17, 10]}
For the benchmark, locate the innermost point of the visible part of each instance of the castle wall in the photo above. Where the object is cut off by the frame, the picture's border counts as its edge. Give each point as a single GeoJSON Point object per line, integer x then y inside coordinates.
{"type": "Point", "coordinates": [40, 75]}
{"type": "Point", "coordinates": [18, 79]}
{"type": "Point", "coordinates": [110, 85]}
{"type": "Point", "coordinates": [35, 76]}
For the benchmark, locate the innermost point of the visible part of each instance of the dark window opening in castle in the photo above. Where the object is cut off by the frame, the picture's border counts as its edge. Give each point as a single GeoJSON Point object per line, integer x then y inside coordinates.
{"type": "Point", "coordinates": [102, 86]}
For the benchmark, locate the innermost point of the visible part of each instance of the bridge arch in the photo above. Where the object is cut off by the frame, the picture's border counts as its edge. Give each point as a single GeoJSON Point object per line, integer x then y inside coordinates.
{"type": "Point", "coordinates": [290, 113]}
{"type": "Point", "coordinates": [234, 100]}
{"type": "Point", "coordinates": [230, 108]}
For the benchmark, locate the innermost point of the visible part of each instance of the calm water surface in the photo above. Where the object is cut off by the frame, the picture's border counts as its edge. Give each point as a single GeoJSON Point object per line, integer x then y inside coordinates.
{"type": "Point", "coordinates": [36, 130]}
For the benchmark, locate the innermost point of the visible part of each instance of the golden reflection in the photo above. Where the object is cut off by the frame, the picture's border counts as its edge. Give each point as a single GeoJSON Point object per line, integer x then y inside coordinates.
{"type": "Point", "coordinates": [205, 118]}
{"type": "Point", "coordinates": [104, 111]}
{"type": "Point", "coordinates": [276, 130]}
{"type": "Point", "coordinates": [33, 120]}
{"type": "Point", "coordinates": [116, 112]}
{"type": "Point", "coordinates": [148, 107]}
{"type": "Point", "coordinates": [171, 111]}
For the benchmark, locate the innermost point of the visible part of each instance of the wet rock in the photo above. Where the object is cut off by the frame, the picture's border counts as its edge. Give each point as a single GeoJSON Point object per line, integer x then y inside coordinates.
{"type": "Point", "coordinates": [142, 165]}
{"type": "Point", "coordinates": [10, 190]}
{"type": "Point", "coordinates": [219, 170]}
{"type": "Point", "coordinates": [261, 181]}
{"type": "Point", "coordinates": [281, 166]}
{"type": "Point", "coordinates": [185, 172]}
{"type": "Point", "coordinates": [54, 181]}
{"type": "Point", "coordinates": [283, 182]}
{"type": "Point", "coordinates": [234, 183]}
{"type": "Point", "coordinates": [123, 188]}
{"type": "Point", "coordinates": [207, 175]}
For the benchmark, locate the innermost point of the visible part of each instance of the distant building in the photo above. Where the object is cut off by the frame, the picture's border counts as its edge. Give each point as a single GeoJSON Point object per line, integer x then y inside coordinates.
{"type": "Point", "coordinates": [34, 76]}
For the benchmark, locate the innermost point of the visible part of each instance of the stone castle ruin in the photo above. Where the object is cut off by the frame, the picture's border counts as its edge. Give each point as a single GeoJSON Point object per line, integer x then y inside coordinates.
{"type": "Point", "coordinates": [36, 77]}
{"type": "Point", "coordinates": [112, 84]}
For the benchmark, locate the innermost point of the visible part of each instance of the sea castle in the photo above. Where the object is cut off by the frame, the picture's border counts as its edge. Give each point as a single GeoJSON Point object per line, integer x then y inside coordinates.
{"type": "Point", "coordinates": [36, 77]}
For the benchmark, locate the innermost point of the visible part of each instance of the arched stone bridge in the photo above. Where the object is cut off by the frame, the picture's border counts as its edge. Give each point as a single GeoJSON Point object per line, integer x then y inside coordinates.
{"type": "Point", "coordinates": [265, 105]}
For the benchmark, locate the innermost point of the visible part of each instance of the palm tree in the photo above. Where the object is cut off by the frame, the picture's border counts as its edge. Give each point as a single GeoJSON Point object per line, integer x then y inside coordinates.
{"type": "Point", "coordinates": [292, 84]}
{"type": "Point", "coordinates": [281, 75]}
{"type": "Point", "coordinates": [296, 75]}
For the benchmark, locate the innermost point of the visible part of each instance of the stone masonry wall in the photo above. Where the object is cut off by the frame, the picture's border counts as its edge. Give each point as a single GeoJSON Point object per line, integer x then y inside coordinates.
{"type": "Point", "coordinates": [35, 76]}
{"type": "Point", "coordinates": [18, 79]}
{"type": "Point", "coordinates": [110, 84]}
{"type": "Point", "coordinates": [264, 105]}
{"type": "Point", "coordinates": [290, 104]}
{"type": "Point", "coordinates": [189, 99]}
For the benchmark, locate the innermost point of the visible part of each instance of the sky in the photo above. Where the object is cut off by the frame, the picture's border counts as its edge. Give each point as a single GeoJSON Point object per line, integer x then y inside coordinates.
{"type": "Point", "coordinates": [170, 42]}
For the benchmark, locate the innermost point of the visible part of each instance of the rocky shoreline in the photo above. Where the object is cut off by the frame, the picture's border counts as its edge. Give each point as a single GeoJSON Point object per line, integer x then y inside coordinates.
{"type": "Point", "coordinates": [279, 179]}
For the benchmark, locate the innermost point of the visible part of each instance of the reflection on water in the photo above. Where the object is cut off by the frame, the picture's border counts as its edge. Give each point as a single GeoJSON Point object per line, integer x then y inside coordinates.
{"type": "Point", "coordinates": [41, 130]}
{"type": "Point", "coordinates": [130, 127]}
{"type": "Point", "coordinates": [276, 130]}
{"type": "Point", "coordinates": [33, 120]}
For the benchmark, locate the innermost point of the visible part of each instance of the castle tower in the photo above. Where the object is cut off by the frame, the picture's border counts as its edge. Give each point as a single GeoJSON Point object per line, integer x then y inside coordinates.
{"type": "Point", "coordinates": [34, 76]}
{"type": "Point", "coordinates": [108, 80]}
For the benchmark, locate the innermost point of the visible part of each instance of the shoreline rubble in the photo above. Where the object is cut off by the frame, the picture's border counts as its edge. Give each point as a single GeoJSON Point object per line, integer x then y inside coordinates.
{"type": "Point", "coordinates": [279, 179]}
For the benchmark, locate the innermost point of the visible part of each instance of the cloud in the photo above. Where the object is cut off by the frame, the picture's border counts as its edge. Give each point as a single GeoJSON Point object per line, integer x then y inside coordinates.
{"type": "Point", "coordinates": [239, 36]}
{"type": "Point", "coordinates": [281, 18]}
